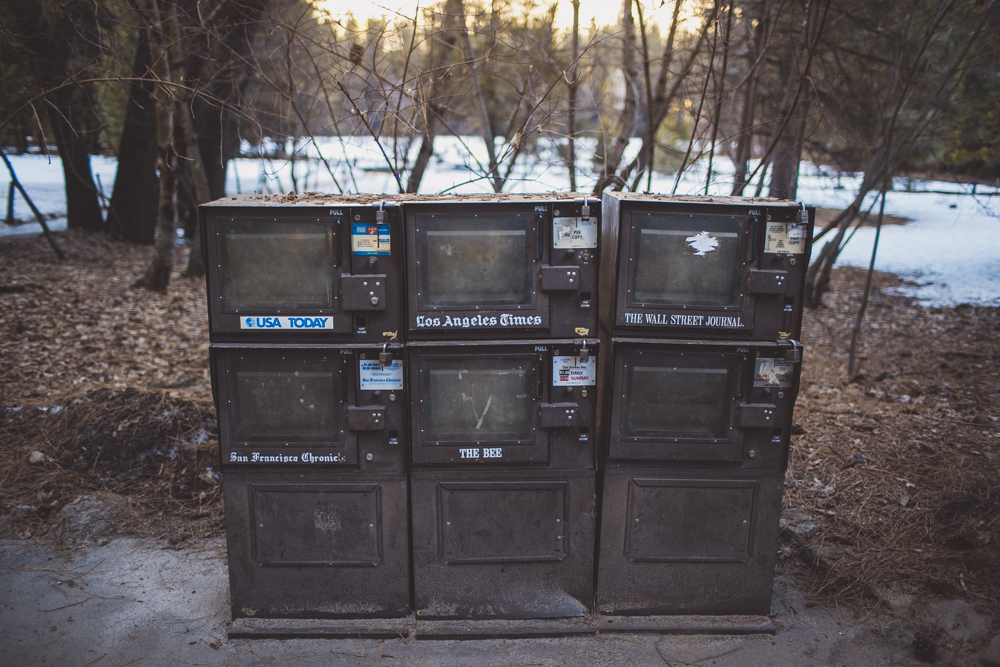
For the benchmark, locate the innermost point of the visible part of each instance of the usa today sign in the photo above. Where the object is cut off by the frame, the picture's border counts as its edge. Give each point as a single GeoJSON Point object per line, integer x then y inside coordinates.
{"type": "Point", "coordinates": [282, 322]}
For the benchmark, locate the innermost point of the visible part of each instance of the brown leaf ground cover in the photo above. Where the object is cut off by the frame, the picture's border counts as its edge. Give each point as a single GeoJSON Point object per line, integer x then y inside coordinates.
{"type": "Point", "coordinates": [107, 387]}
{"type": "Point", "coordinates": [900, 465]}
{"type": "Point", "coordinates": [897, 469]}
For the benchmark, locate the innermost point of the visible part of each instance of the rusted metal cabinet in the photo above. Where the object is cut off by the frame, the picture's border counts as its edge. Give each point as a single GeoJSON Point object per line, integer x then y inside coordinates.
{"type": "Point", "coordinates": [303, 269]}
{"type": "Point", "coordinates": [502, 482]}
{"type": "Point", "coordinates": [695, 450]}
{"type": "Point", "coordinates": [701, 308]}
{"type": "Point", "coordinates": [703, 267]}
{"type": "Point", "coordinates": [520, 267]}
{"type": "Point", "coordinates": [313, 444]}
{"type": "Point", "coordinates": [501, 353]}
{"type": "Point", "coordinates": [688, 540]}
{"type": "Point", "coordinates": [317, 545]}
{"type": "Point", "coordinates": [305, 298]}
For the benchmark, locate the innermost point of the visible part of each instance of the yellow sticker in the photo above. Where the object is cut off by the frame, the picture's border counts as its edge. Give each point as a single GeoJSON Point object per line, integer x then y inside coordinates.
{"type": "Point", "coordinates": [581, 331]}
{"type": "Point", "coordinates": [785, 238]}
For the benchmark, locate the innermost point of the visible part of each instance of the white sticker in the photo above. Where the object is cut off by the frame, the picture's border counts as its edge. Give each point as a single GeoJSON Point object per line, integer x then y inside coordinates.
{"type": "Point", "coordinates": [286, 323]}
{"type": "Point", "coordinates": [702, 243]}
{"type": "Point", "coordinates": [574, 232]}
{"type": "Point", "coordinates": [784, 237]}
{"type": "Point", "coordinates": [375, 377]}
{"type": "Point", "coordinates": [773, 373]}
{"type": "Point", "coordinates": [571, 372]}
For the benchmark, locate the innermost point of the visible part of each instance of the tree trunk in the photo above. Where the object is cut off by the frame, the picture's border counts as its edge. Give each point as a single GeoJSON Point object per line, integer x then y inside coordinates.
{"type": "Point", "coordinates": [785, 164]}
{"type": "Point", "coordinates": [744, 142]}
{"type": "Point", "coordinates": [218, 138]}
{"type": "Point", "coordinates": [484, 115]}
{"type": "Point", "coordinates": [856, 331]}
{"type": "Point", "coordinates": [75, 142]}
{"type": "Point", "coordinates": [720, 91]}
{"type": "Point", "coordinates": [442, 46]}
{"type": "Point", "coordinates": [186, 199]}
{"type": "Point", "coordinates": [157, 276]}
{"type": "Point", "coordinates": [423, 158]}
{"type": "Point", "coordinates": [9, 220]}
{"type": "Point", "coordinates": [571, 102]}
{"type": "Point", "coordinates": [785, 169]}
{"type": "Point", "coordinates": [663, 98]}
{"type": "Point", "coordinates": [132, 213]}
{"type": "Point", "coordinates": [199, 180]}
{"type": "Point", "coordinates": [787, 158]}
{"type": "Point", "coordinates": [627, 120]}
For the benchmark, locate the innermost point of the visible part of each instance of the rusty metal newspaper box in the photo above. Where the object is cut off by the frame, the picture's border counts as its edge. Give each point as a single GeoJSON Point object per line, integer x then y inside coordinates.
{"type": "Point", "coordinates": [313, 445]}
{"type": "Point", "coordinates": [694, 459]}
{"type": "Point", "coordinates": [315, 269]}
{"type": "Point", "coordinates": [425, 406]}
{"type": "Point", "coordinates": [502, 487]}
{"type": "Point", "coordinates": [521, 267]}
{"type": "Point", "coordinates": [703, 267]}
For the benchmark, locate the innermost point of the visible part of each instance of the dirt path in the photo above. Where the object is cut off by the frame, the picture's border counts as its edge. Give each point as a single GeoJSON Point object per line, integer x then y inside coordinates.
{"type": "Point", "coordinates": [133, 602]}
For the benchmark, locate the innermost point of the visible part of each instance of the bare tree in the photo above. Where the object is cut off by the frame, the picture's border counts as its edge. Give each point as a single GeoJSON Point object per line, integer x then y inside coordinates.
{"type": "Point", "coordinates": [573, 83]}
{"type": "Point", "coordinates": [626, 121]}
{"type": "Point", "coordinates": [166, 71]}
{"type": "Point", "coordinates": [668, 86]}
{"type": "Point", "coordinates": [910, 91]}
{"type": "Point", "coordinates": [133, 208]}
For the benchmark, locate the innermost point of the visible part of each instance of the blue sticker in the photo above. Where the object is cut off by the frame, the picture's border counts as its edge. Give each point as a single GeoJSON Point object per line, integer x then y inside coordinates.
{"type": "Point", "coordinates": [369, 239]}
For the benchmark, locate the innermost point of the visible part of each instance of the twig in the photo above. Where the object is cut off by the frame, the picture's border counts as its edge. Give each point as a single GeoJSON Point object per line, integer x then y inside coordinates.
{"type": "Point", "coordinates": [856, 331]}
{"type": "Point", "coordinates": [721, 655]}
{"type": "Point", "coordinates": [46, 611]}
{"type": "Point", "coordinates": [953, 421]}
{"type": "Point", "coordinates": [662, 656]}
{"type": "Point", "coordinates": [31, 205]}
{"type": "Point", "coordinates": [697, 663]}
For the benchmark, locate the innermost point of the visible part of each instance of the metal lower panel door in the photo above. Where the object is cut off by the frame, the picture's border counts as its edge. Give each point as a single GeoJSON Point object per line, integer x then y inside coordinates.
{"type": "Point", "coordinates": [503, 544]}
{"type": "Point", "coordinates": [317, 545]}
{"type": "Point", "coordinates": [688, 541]}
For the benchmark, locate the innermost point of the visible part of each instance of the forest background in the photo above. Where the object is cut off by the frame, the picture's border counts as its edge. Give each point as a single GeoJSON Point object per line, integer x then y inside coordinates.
{"type": "Point", "coordinates": [176, 89]}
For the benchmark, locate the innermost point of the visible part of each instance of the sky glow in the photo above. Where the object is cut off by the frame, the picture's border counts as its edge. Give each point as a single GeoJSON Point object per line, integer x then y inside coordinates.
{"type": "Point", "coordinates": [601, 12]}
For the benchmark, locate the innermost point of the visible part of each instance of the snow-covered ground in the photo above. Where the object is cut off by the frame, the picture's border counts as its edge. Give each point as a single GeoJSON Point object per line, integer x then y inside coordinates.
{"type": "Point", "coordinates": [951, 249]}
